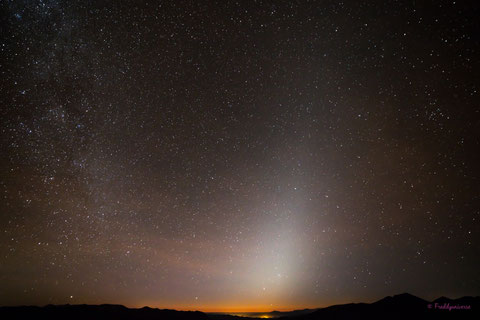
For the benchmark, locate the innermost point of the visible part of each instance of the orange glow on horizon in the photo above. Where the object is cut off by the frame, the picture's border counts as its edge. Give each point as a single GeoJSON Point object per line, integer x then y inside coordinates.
{"type": "Point", "coordinates": [228, 309]}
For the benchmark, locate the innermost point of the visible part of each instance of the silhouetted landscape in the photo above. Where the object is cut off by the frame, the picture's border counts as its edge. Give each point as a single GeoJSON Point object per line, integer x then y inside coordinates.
{"type": "Point", "coordinates": [400, 306]}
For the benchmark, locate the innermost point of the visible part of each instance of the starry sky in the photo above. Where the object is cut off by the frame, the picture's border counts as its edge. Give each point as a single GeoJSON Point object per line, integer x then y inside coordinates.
{"type": "Point", "coordinates": [238, 155]}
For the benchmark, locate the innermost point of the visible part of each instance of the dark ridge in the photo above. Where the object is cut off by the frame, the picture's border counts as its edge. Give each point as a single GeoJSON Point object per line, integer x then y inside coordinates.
{"type": "Point", "coordinates": [278, 314]}
{"type": "Point", "coordinates": [86, 312]}
{"type": "Point", "coordinates": [403, 298]}
{"type": "Point", "coordinates": [402, 306]}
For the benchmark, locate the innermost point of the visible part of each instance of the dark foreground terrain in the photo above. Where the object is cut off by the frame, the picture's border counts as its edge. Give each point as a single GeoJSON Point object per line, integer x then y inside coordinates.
{"type": "Point", "coordinates": [403, 306]}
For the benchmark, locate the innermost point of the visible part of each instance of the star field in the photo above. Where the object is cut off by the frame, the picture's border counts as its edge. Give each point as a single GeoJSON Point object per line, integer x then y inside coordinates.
{"type": "Point", "coordinates": [249, 155]}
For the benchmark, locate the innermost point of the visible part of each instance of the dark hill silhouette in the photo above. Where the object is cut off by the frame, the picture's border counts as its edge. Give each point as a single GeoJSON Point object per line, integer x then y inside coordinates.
{"type": "Point", "coordinates": [402, 306]}
{"type": "Point", "coordinates": [291, 313]}
{"type": "Point", "coordinates": [401, 299]}
{"type": "Point", "coordinates": [94, 312]}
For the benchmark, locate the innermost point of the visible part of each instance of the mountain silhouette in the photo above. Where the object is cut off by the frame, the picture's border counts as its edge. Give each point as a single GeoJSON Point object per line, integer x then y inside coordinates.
{"type": "Point", "coordinates": [402, 306]}
{"type": "Point", "coordinates": [401, 299]}
{"type": "Point", "coordinates": [278, 314]}
{"type": "Point", "coordinates": [94, 312]}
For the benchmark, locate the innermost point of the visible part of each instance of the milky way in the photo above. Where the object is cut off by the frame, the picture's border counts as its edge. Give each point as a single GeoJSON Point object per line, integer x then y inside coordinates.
{"type": "Point", "coordinates": [249, 155]}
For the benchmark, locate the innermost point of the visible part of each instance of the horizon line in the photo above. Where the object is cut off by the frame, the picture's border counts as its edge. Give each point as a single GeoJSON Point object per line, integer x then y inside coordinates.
{"type": "Point", "coordinates": [226, 310]}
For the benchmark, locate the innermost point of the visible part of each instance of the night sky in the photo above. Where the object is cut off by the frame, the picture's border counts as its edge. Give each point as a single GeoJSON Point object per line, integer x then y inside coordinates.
{"type": "Point", "coordinates": [238, 156]}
